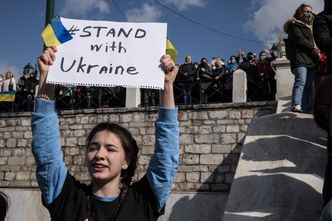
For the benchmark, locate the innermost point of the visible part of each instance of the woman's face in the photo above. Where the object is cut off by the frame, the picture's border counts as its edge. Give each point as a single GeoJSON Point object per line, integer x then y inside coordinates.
{"type": "Point", "coordinates": [307, 10]}
{"type": "Point", "coordinates": [8, 75]}
{"type": "Point", "coordinates": [307, 15]}
{"type": "Point", "coordinates": [262, 56]}
{"type": "Point", "coordinates": [106, 157]}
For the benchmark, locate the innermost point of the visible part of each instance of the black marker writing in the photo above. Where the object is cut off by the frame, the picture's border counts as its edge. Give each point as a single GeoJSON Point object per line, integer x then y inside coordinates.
{"type": "Point", "coordinates": [114, 47]}
{"type": "Point", "coordinates": [82, 67]}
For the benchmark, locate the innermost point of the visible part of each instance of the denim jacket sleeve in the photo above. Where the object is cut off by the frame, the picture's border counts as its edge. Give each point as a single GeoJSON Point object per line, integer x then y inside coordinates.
{"type": "Point", "coordinates": [164, 163]}
{"type": "Point", "coordinates": [46, 149]}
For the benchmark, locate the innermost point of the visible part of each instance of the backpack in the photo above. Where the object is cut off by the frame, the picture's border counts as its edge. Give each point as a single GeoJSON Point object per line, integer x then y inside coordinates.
{"type": "Point", "coordinates": [288, 48]}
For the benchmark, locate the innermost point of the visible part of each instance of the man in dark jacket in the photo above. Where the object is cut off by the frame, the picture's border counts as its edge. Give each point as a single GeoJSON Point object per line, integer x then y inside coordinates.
{"type": "Point", "coordinates": [322, 29]}
{"type": "Point", "coordinates": [187, 74]}
{"type": "Point", "coordinates": [26, 89]}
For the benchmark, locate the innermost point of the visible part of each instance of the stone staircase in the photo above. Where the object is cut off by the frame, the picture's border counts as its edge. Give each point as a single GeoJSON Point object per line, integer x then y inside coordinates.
{"type": "Point", "coordinates": [280, 171]}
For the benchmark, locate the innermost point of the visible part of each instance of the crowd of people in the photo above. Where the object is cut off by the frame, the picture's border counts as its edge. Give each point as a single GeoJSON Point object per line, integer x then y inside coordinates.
{"type": "Point", "coordinates": [195, 81]}
{"type": "Point", "coordinates": [218, 75]}
{"type": "Point", "coordinates": [24, 90]}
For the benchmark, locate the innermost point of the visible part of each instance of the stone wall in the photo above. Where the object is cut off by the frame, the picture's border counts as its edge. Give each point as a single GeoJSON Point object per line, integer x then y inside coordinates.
{"type": "Point", "coordinates": [210, 142]}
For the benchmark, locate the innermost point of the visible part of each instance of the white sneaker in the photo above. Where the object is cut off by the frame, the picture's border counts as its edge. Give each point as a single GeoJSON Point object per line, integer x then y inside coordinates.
{"type": "Point", "coordinates": [297, 108]}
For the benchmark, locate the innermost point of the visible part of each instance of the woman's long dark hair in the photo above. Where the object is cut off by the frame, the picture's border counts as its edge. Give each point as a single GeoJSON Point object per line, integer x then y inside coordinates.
{"type": "Point", "coordinates": [3, 206]}
{"type": "Point", "coordinates": [129, 145]}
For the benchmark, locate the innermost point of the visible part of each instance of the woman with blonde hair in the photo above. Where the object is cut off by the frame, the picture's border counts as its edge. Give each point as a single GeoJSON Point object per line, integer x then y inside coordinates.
{"type": "Point", "coordinates": [9, 84]}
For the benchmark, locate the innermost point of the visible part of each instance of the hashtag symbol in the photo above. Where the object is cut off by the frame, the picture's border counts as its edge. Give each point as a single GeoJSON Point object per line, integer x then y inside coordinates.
{"type": "Point", "coordinates": [73, 29]}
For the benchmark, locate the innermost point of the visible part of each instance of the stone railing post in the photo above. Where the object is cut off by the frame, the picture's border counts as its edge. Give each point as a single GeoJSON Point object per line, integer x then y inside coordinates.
{"type": "Point", "coordinates": [133, 97]}
{"type": "Point", "coordinates": [284, 78]}
{"type": "Point", "coordinates": [239, 86]}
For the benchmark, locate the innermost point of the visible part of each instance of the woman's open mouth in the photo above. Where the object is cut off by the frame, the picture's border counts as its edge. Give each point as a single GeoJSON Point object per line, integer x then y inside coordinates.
{"type": "Point", "coordinates": [98, 167]}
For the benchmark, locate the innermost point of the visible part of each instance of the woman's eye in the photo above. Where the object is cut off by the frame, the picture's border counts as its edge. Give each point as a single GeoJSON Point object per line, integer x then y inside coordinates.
{"type": "Point", "coordinates": [92, 147]}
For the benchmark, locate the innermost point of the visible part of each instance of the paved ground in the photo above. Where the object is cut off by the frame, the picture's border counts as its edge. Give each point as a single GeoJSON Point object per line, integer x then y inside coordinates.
{"type": "Point", "coordinates": [280, 172]}
{"type": "Point", "coordinates": [25, 204]}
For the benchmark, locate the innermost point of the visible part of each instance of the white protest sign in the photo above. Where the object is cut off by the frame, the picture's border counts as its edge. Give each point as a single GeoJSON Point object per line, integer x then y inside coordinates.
{"type": "Point", "coordinates": [108, 54]}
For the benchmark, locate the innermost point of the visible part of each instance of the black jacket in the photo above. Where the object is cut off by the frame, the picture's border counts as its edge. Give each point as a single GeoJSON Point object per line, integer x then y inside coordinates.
{"type": "Point", "coordinates": [302, 40]}
{"type": "Point", "coordinates": [322, 29]}
{"type": "Point", "coordinates": [187, 72]}
{"type": "Point", "coordinates": [323, 114]}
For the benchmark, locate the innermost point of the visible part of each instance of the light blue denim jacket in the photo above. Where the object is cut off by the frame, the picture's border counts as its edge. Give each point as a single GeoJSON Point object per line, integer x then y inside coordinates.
{"type": "Point", "coordinates": [51, 169]}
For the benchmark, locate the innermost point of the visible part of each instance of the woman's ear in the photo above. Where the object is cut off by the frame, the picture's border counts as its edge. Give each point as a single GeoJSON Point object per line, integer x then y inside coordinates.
{"type": "Point", "coordinates": [125, 166]}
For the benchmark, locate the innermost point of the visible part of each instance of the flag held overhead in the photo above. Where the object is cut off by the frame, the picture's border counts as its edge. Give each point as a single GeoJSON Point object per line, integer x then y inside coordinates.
{"type": "Point", "coordinates": [55, 33]}
{"type": "Point", "coordinates": [170, 50]}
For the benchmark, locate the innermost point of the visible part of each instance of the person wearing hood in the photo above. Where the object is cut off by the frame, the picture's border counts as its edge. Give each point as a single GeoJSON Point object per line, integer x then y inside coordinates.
{"type": "Point", "coordinates": [303, 58]}
{"type": "Point", "coordinates": [322, 30]}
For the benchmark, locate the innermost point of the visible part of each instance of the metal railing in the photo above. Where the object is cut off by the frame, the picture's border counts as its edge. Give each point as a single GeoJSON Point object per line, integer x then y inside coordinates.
{"type": "Point", "coordinates": [89, 97]}
{"type": "Point", "coordinates": [185, 93]}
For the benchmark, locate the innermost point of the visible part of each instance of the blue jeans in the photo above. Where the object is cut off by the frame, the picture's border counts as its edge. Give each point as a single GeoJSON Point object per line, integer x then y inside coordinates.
{"type": "Point", "coordinates": [302, 89]}
{"type": "Point", "coordinates": [187, 93]}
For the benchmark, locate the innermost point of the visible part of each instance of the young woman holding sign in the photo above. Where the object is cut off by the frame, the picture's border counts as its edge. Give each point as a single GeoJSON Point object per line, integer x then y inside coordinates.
{"type": "Point", "coordinates": [111, 156]}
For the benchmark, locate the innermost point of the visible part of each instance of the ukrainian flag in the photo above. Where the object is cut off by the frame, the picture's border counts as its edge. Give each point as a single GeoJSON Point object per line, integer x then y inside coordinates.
{"type": "Point", "coordinates": [55, 33]}
{"type": "Point", "coordinates": [170, 50]}
{"type": "Point", "coordinates": [7, 96]}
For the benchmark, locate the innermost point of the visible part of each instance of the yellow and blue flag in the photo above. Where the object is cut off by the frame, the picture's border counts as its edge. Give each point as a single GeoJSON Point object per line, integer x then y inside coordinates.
{"type": "Point", "coordinates": [55, 33]}
{"type": "Point", "coordinates": [7, 96]}
{"type": "Point", "coordinates": [170, 50]}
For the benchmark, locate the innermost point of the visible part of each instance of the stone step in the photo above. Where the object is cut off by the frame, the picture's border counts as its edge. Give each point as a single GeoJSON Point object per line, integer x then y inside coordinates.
{"type": "Point", "coordinates": [280, 171]}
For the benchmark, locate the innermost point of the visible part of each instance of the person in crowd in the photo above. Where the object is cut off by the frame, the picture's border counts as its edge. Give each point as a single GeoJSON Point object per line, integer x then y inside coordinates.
{"type": "Point", "coordinates": [323, 37]}
{"type": "Point", "coordinates": [3, 206]}
{"type": "Point", "coordinates": [232, 64]}
{"type": "Point", "coordinates": [323, 117]}
{"type": "Point", "coordinates": [26, 89]}
{"type": "Point", "coordinates": [1, 82]}
{"type": "Point", "coordinates": [254, 57]}
{"type": "Point", "coordinates": [219, 69]}
{"type": "Point", "coordinates": [81, 97]}
{"type": "Point", "coordinates": [221, 81]}
{"type": "Point", "coordinates": [65, 96]}
{"type": "Point", "coordinates": [150, 96]}
{"type": "Point", "coordinates": [304, 57]}
{"type": "Point", "coordinates": [213, 62]}
{"type": "Point", "coordinates": [111, 156]}
{"type": "Point", "coordinates": [9, 84]}
{"type": "Point", "coordinates": [267, 74]}
{"type": "Point", "coordinates": [186, 77]}
{"type": "Point", "coordinates": [248, 64]}
{"type": "Point", "coordinates": [196, 64]}
{"type": "Point", "coordinates": [322, 110]}
{"type": "Point", "coordinates": [204, 76]}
